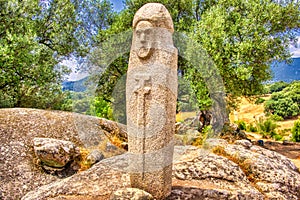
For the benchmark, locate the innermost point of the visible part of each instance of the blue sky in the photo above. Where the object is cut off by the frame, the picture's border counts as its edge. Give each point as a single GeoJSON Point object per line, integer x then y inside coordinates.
{"type": "Point", "coordinates": [117, 4]}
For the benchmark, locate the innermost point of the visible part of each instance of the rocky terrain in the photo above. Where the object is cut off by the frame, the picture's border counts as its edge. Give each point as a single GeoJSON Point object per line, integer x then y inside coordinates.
{"type": "Point", "coordinates": [218, 171]}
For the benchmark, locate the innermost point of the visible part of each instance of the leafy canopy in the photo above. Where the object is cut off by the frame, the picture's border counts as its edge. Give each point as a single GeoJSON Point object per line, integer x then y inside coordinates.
{"type": "Point", "coordinates": [242, 38]}
{"type": "Point", "coordinates": [33, 39]}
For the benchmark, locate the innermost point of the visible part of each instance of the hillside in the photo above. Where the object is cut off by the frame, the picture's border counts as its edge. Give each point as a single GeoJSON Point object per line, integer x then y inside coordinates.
{"type": "Point", "coordinates": [76, 86]}
{"type": "Point", "coordinates": [286, 72]}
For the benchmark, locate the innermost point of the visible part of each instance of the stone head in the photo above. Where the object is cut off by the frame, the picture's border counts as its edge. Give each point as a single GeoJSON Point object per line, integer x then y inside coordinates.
{"type": "Point", "coordinates": [150, 24]}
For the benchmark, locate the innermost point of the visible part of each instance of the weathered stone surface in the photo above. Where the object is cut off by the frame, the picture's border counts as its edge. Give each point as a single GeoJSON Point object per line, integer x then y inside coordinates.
{"type": "Point", "coordinates": [55, 153]}
{"type": "Point", "coordinates": [98, 182]}
{"type": "Point", "coordinates": [18, 126]}
{"type": "Point", "coordinates": [246, 143]}
{"type": "Point", "coordinates": [151, 94]}
{"type": "Point", "coordinates": [18, 174]}
{"type": "Point", "coordinates": [94, 157]}
{"type": "Point", "coordinates": [272, 173]}
{"type": "Point", "coordinates": [197, 174]}
{"type": "Point", "coordinates": [132, 194]}
{"type": "Point", "coordinates": [209, 176]}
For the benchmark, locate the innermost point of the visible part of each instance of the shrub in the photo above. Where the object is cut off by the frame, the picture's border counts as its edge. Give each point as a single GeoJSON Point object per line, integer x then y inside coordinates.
{"type": "Point", "coordinates": [296, 131]}
{"type": "Point", "coordinates": [259, 100]}
{"type": "Point", "coordinates": [241, 124]}
{"type": "Point", "coordinates": [206, 132]}
{"type": "Point", "coordinates": [266, 128]}
{"type": "Point", "coordinates": [277, 137]}
{"type": "Point", "coordinates": [102, 108]}
{"type": "Point", "coordinates": [278, 86]}
{"type": "Point", "coordinates": [285, 103]}
{"type": "Point", "coordinates": [251, 128]}
{"type": "Point", "coordinates": [276, 117]}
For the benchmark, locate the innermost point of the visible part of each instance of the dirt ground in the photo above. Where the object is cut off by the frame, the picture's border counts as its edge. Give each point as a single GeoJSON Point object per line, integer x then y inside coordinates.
{"type": "Point", "coordinates": [292, 150]}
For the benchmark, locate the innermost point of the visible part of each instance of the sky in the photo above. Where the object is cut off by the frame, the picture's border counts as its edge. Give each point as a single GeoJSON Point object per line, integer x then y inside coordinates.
{"type": "Point", "coordinates": [117, 5]}
{"type": "Point", "coordinates": [295, 50]}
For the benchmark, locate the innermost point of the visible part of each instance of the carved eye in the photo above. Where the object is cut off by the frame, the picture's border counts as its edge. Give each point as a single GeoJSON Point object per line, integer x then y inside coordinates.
{"type": "Point", "coordinates": [138, 33]}
{"type": "Point", "coordinates": [147, 31]}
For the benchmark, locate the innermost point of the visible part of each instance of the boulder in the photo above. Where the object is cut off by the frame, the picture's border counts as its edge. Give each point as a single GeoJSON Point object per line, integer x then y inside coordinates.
{"type": "Point", "coordinates": [246, 143]}
{"type": "Point", "coordinates": [55, 153]}
{"type": "Point", "coordinates": [271, 173]}
{"type": "Point", "coordinates": [94, 157]}
{"type": "Point", "coordinates": [232, 172]}
{"type": "Point", "coordinates": [132, 194]}
{"type": "Point", "coordinates": [98, 182]}
{"type": "Point", "coordinates": [19, 173]}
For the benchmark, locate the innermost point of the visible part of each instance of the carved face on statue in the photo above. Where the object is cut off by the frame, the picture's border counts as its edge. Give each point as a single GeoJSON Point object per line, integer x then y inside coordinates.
{"type": "Point", "coordinates": [144, 38]}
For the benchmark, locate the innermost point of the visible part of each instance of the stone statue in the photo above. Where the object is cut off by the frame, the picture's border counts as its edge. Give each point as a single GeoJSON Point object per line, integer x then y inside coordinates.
{"type": "Point", "coordinates": [151, 94]}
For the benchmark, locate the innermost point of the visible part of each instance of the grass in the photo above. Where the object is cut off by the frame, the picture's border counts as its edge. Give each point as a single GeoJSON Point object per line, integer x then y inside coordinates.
{"type": "Point", "coordinates": [180, 117]}
{"type": "Point", "coordinates": [297, 162]}
{"type": "Point", "coordinates": [250, 113]}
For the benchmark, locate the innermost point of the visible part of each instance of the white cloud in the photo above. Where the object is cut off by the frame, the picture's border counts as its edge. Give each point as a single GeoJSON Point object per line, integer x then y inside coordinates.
{"type": "Point", "coordinates": [75, 74]}
{"type": "Point", "coordinates": [295, 49]}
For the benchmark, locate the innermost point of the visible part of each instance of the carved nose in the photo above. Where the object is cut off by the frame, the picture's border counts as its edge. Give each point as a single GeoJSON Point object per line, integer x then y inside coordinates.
{"type": "Point", "coordinates": [143, 38]}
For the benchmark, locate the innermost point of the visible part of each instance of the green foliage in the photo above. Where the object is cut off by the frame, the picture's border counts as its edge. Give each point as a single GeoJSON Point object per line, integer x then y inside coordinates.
{"type": "Point", "coordinates": [80, 102]}
{"type": "Point", "coordinates": [278, 86]}
{"type": "Point", "coordinates": [102, 108]}
{"type": "Point", "coordinates": [84, 103]}
{"type": "Point", "coordinates": [296, 131]}
{"type": "Point", "coordinates": [186, 101]}
{"type": "Point", "coordinates": [251, 128]}
{"type": "Point", "coordinates": [241, 37]}
{"type": "Point", "coordinates": [33, 39]}
{"type": "Point", "coordinates": [285, 103]}
{"type": "Point", "coordinates": [244, 37]}
{"type": "Point", "coordinates": [266, 127]}
{"type": "Point", "coordinates": [278, 137]}
{"type": "Point", "coordinates": [276, 117]}
{"type": "Point", "coordinates": [241, 124]}
{"type": "Point", "coordinates": [259, 100]}
{"type": "Point", "coordinates": [95, 16]}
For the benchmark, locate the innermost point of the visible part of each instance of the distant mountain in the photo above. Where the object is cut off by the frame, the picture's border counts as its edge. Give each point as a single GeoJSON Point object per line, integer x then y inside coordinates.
{"type": "Point", "coordinates": [76, 86]}
{"type": "Point", "coordinates": [285, 72]}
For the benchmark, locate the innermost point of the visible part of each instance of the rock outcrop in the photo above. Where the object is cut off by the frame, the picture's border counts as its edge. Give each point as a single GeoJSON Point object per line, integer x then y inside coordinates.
{"type": "Point", "coordinates": [19, 173]}
{"type": "Point", "coordinates": [132, 194]}
{"type": "Point", "coordinates": [220, 171]}
{"type": "Point", "coordinates": [197, 174]}
{"type": "Point", "coordinates": [55, 153]}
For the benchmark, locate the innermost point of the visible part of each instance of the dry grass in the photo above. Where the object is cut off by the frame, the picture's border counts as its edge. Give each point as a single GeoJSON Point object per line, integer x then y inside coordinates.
{"type": "Point", "coordinates": [184, 115]}
{"type": "Point", "coordinates": [297, 162]}
{"type": "Point", "coordinates": [84, 165]}
{"type": "Point", "coordinates": [250, 112]}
